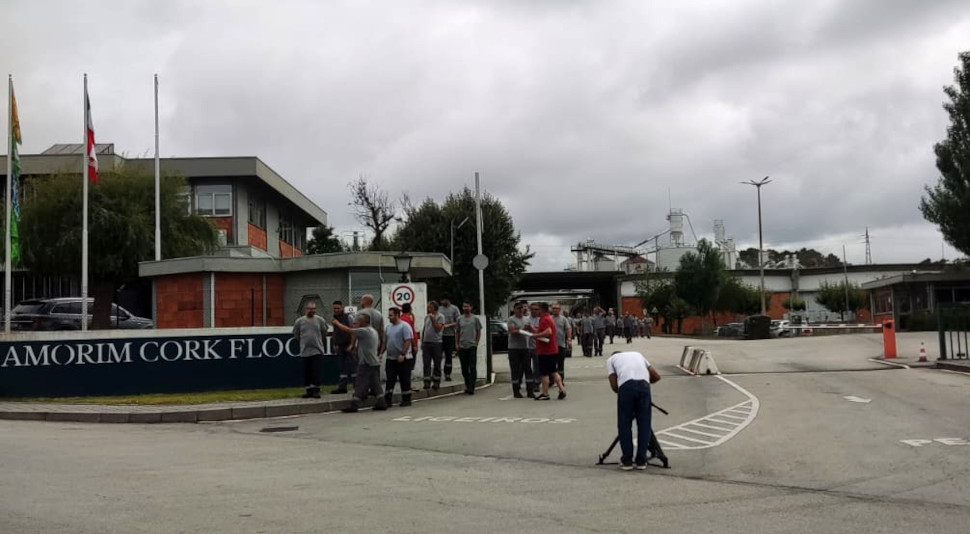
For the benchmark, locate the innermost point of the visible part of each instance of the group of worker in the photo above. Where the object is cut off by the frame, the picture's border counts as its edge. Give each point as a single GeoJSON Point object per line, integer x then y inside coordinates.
{"type": "Point", "coordinates": [592, 329]}
{"type": "Point", "coordinates": [360, 340]}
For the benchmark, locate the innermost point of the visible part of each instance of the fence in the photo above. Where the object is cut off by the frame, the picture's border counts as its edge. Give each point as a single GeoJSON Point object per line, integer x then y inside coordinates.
{"type": "Point", "coordinates": [954, 325]}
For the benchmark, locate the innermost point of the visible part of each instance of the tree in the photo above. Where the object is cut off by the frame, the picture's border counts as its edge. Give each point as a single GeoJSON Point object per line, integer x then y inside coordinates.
{"type": "Point", "coordinates": [373, 209]}
{"type": "Point", "coordinates": [807, 257]}
{"type": "Point", "coordinates": [833, 298]}
{"type": "Point", "coordinates": [699, 278]}
{"type": "Point", "coordinates": [427, 228]}
{"type": "Point", "coordinates": [324, 241]}
{"type": "Point", "coordinates": [121, 229]}
{"type": "Point", "coordinates": [794, 304]}
{"type": "Point", "coordinates": [737, 297]}
{"type": "Point", "coordinates": [948, 203]}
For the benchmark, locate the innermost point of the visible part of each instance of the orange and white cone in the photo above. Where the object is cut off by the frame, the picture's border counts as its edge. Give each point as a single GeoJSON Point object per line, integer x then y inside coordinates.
{"type": "Point", "coordinates": [922, 352]}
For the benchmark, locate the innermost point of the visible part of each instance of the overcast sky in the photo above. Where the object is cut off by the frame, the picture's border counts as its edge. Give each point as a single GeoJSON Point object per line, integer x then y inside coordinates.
{"type": "Point", "coordinates": [583, 117]}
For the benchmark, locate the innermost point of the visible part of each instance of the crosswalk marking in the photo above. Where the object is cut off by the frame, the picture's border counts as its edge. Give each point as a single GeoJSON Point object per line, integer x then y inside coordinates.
{"type": "Point", "coordinates": [731, 420]}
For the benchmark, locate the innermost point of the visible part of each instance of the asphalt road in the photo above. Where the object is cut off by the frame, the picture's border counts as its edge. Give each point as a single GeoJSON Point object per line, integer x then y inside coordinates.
{"type": "Point", "coordinates": [801, 435]}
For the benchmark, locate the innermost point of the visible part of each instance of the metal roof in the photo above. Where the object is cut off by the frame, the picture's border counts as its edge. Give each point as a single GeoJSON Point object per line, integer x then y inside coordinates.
{"type": "Point", "coordinates": [78, 149]}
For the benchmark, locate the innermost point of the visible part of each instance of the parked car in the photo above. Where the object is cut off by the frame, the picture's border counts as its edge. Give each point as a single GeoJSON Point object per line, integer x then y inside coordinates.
{"type": "Point", "coordinates": [730, 330]}
{"type": "Point", "coordinates": [499, 333]}
{"type": "Point", "coordinates": [780, 328]}
{"type": "Point", "coordinates": [65, 314]}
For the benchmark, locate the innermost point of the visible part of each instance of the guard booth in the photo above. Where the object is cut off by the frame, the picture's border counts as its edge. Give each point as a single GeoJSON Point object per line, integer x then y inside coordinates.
{"type": "Point", "coordinates": [757, 327]}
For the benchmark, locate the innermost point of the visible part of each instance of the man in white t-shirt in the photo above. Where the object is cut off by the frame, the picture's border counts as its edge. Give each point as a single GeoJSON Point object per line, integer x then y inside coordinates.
{"type": "Point", "coordinates": [630, 377]}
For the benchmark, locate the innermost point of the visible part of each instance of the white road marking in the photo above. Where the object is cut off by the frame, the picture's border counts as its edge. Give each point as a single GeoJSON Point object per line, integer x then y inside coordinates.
{"type": "Point", "coordinates": [456, 419]}
{"type": "Point", "coordinates": [722, 421]}
{"type": "Point", "coordinates": [507, 397]}
{"type": "Point", "coordinates": [891, 364]}
{"type": "Point", "coordinates": [944, 441]}
{"type": "Point", "coordinates": [853, 398]}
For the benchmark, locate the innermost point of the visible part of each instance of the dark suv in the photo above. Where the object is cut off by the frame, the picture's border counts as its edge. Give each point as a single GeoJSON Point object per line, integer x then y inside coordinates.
{"type": "Point", "coordinates": [65, 314]}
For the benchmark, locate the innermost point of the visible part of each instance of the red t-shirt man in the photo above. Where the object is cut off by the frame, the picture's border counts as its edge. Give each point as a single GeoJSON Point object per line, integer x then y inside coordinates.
{"type": "Point", "coordinates": [547, 349]}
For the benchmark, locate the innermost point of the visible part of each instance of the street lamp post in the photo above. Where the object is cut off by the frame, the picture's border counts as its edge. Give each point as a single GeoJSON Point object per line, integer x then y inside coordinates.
{"type": "Point", "coordinates": [453, 228]}
{"type": "Point", "coordinates": [402, 263]}
{"type": "Point", "coordinates": [761, 246]}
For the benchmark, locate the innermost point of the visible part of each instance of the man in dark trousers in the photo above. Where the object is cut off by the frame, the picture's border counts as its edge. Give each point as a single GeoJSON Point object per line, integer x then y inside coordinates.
{"type": "Point", "coordinates": [599, 329]}
{"type": "Point", "coordinates": [630, 376]}
{"type": "Point", "coordinates": [547, 350]}
{"type": "Point", "coordinates": [564, 333]}
{"type": "Point", "coordinates": [520, 363]}
{"type": "Point", "coordinates": [628, 323]}
{"type": "Point", "coordinates": [431, 346]}
{"type": "Point", "coordinates": [369, 366]}
{"type": "Point", "coordinates": [589, 332]}
{"type": "Point", "coordinates": [468, 333]}
{"type": "Point", "coordinates": [451, 313]}
{"type": "Point", "coordinates": [346, 359]}
{"type": "Point", "coordinates": [398, 337]}
{"type": "Point", "coordinates": [310, 330]}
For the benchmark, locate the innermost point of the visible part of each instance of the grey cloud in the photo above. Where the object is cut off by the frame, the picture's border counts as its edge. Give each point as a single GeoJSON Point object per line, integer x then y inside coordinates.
{"type": "Point", "coordinates": [580, 115]}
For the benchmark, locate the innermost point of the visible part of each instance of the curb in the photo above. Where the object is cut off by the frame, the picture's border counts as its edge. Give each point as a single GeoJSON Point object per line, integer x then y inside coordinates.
{"type": "Point", "coordinates": [960, 368]}
{"type": "Point", "coordinates": [208, 413]}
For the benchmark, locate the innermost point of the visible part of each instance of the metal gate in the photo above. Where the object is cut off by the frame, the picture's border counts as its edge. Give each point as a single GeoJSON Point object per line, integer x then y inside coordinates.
{"type": "Point", "coordinates": [954, 326]}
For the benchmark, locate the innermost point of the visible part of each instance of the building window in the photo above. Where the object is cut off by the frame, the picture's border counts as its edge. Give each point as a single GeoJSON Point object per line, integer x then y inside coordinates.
{"type": "Point", "coordinates": [286, 229]}
{"type": "Point", "coordinates": [883, 300]}
{"type": "Point", "coordinates": [213, 200]}
{"type": "Point", "coordinates": [257, 213]}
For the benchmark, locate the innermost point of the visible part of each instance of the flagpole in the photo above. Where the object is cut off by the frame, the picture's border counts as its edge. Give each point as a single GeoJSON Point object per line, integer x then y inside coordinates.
{"type": "Point", "coordinates": [8, 213]}
{"type": "Point", "coordinates": [84, 211]}
{"type": "Point", "coordinates": [158, 186]}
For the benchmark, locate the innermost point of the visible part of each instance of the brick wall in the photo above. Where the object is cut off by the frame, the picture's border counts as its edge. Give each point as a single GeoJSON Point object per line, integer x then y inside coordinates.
{"type": "Point", "coordinates": [275, 289]}
{"type": "Point", "coordinates": [289, 251]}
{"type": "Point", "coordinates": [180, 299]}
{"type": "Point", "coordinates": [239, 299]}
{"type": "Point", "coordinates": [223, 223]}
{"type": "Point", "coordinates": [257, 238]}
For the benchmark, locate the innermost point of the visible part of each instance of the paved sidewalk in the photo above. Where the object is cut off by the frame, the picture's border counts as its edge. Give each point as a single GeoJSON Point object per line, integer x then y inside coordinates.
{"type": "Point", "coordinates": [194, 413]}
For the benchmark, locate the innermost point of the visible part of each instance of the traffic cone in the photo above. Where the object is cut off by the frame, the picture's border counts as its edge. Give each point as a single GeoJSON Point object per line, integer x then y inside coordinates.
{"type": "Point", "coordinates": [922, 352]}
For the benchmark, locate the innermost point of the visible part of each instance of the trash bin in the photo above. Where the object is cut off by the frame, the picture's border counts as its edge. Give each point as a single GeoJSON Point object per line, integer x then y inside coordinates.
{"type": "Point", "coordinates": [889, 338]}
{"type": "Point", "coordinates": [757, 327]}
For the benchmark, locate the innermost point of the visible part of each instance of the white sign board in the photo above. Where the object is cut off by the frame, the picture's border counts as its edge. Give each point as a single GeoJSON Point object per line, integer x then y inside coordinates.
{"type": "Point", "coordinates": [415, 294]}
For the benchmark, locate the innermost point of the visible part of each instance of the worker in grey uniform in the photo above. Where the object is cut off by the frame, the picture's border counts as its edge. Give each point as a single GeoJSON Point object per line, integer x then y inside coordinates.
{"type": "Point", "coordinates": [520, 361]}
{"type": "Point", "coordinates": [431, 346]}
{"type": "Point", "coordinates": [563, 338]}
{"type": "Point", "coordinates": [451, 313]}
{"type": "Point", "coordinates": [589, 332]}
{"type": "Point", "coordinates": [369, 367]}
{"type": "Point", "coordinates": [310, 330]}
{"type": "Point", "coordinates": [599, 327]}
{"type": "Point", "coordinates": [610, 325]}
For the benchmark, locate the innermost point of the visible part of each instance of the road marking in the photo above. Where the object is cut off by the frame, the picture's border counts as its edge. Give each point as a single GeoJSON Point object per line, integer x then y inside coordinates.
{"type": "Point", "coordinates": [456, 419]}
{"type": "Point", "coordinates": [944, 441]}
{"type": "Point", "coordinates": [507, 397]}
{"type": "Point", "coordinates": [891, 364]}
{"type": "Point", "coordinates": [721, 421]}
{"type": "Point", "coordinates": [853, 398]}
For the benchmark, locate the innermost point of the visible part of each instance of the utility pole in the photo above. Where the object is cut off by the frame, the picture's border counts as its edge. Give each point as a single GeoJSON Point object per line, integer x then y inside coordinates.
{"type": "Point", "coordinates": [761, 246]}
{"type": "Point", "coordinates": [868, 249]}
{"type": "Point", "coordinates": [845, 272]}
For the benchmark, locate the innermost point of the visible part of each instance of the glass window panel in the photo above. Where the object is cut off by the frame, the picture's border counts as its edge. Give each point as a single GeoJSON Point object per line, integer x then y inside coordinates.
{"type": "Point", "coordinates": [203, 204]}
{"type": "Point", "coordinates": [223, 203]}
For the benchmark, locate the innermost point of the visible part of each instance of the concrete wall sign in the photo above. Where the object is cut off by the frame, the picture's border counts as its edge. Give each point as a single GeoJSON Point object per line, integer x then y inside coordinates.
{"type": "Point", "coordinates": [104, 363]}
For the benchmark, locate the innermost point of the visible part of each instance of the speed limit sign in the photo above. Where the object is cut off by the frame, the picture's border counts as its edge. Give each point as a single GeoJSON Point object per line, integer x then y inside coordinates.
{"type": "Point", "coordinates": [397, 295]}
{"type": "Point", "coordinates": [402, 295]}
